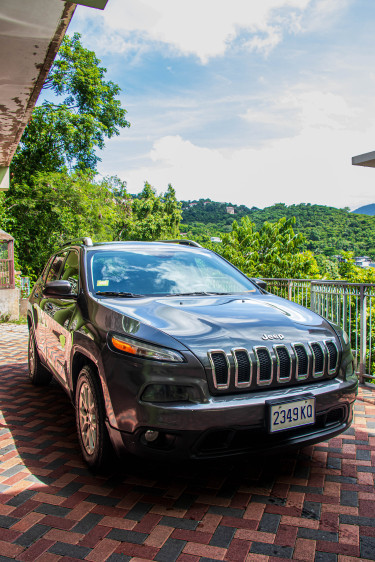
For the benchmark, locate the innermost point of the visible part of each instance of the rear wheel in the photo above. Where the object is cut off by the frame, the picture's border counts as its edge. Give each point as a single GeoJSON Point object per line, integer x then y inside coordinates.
{"type": "Point", "coordinates": [90, 419]}
{"type": "Point", "coordinates": [38, 374]}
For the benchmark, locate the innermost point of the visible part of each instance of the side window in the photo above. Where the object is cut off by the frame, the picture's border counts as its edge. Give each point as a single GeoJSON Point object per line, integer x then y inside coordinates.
{"type": "Point", "coordinates": [70, 271]}
{"type": "Point", "coordinates": [46, 269]}
{"type": "Point", "coordinates": [54, 270]}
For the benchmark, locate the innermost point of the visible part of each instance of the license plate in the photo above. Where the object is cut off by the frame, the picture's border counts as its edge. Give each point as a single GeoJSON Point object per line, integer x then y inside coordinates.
{"type": "Point", "coordinates": [292, 413]}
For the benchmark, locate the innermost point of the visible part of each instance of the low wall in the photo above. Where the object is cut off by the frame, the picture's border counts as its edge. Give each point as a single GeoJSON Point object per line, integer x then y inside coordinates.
{"type": "Point", "coordinates": [10, 303]}
{"type": "Point", "coordinates": [23, 307]}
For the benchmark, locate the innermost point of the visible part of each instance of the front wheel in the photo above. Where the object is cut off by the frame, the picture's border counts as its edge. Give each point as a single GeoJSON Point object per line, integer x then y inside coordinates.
{"type": "Point", "coordinates": [38, 374]}
{"type": "Point", "coordinates": [90, 419]}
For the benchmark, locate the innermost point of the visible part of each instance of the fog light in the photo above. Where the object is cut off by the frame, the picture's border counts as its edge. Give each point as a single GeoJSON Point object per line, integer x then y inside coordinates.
{"type": "Point", "coordinates": [169, 393]}
{"type": "Point", "coordinates": [151, 435]}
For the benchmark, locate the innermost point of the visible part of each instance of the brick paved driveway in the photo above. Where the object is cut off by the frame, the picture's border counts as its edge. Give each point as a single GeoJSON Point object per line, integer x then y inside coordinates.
{"type": "Point", "coordinates": [317, 504]}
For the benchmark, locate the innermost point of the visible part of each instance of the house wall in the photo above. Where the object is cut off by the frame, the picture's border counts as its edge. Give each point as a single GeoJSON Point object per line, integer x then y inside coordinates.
{"type": "Point", "coordinates": [10, 303]}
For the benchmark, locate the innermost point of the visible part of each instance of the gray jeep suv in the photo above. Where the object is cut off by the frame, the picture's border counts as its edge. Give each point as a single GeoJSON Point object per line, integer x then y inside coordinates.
{"type": "Point", "coordinates": [168, 350]}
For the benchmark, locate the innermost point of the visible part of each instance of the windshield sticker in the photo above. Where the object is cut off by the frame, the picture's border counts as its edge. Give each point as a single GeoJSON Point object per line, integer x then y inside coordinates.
{"type": "Point", "coordinates": [102, 283]}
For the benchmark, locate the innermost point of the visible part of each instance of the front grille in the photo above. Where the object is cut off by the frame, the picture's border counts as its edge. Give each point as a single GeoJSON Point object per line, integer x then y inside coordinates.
{"type": "Point", "coordinates": [261, 366]}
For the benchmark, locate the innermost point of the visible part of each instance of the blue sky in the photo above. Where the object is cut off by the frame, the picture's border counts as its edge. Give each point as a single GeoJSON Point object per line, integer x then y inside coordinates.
{"type": "Point", "coordinates": [243, 101]}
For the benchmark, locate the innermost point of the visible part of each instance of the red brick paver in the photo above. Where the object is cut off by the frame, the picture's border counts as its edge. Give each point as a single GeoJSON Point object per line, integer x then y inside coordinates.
{"type": "Point", "coordinates": [317, 504]}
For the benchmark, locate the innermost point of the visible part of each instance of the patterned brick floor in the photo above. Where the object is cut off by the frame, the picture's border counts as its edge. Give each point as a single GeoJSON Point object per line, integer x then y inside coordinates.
{"type": "Point", "coordinates": [316, 504]}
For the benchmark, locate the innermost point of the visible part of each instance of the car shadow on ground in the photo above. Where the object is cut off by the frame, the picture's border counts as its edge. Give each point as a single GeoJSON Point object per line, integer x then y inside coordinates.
{"type": "Point", "coordinates": [39, 445]}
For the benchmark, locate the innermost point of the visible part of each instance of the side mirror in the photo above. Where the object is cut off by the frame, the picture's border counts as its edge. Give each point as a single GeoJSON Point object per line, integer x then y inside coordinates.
{"type": "Point", "coordinates": [262, 284]}
{"type": "Point", "coordinates": [61, 288]}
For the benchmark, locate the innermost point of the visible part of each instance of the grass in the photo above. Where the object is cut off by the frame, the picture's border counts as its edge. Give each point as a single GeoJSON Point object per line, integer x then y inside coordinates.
{"type": "Point", "coordinates": [5, 319]}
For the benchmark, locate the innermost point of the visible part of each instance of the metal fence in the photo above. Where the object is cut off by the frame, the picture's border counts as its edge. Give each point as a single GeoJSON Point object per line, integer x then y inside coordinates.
{"type": "Point", "coordinates": [349, 305]}
{"type": "Point", "coordinates": [6, 274]}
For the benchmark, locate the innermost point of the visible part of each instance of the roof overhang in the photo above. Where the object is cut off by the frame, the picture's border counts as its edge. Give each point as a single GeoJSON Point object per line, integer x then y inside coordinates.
{"type": "Point", "coordinates": [100, 4]}
{"type": "Point", "coordinates": [367, 159]}
{"type": "Point", "coordinates": [31, 32]}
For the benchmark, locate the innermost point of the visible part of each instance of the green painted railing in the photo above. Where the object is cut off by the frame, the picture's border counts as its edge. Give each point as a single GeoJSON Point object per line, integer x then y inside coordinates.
{"type": "Point", "coordinates": [349, 305]}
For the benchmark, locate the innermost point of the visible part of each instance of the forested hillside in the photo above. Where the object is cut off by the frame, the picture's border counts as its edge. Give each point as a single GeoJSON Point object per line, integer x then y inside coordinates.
{"type": "Point", "coordinates": [328, 230]}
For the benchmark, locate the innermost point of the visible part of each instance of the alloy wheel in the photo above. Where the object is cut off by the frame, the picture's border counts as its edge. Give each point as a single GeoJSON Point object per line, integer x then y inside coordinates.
{"type": "Point", "coordinates": [88, 418]}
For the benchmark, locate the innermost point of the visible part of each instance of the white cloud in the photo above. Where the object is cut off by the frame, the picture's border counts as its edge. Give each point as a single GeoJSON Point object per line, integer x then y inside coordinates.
{"type": "Point", "coordinates": [321, 13]}
{"type": "Point", "coordinates": [312, 165]}
{"type": "Point", "coordinates": [307, 108]}
{"type": "Point", "coordinates": [204, 29]}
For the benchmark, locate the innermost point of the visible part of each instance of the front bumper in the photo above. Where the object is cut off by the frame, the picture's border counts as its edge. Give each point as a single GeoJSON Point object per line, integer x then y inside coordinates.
{"type": "Point", "coordinates": [237, 424]}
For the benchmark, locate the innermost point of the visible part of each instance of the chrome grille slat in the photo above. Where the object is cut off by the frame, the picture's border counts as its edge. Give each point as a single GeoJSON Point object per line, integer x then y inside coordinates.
{"type": "Point", "coordinates": [284, 363]}
{"type": "Point", "coordinates": [220, 368]}
{"type": "Point", "coordinates": [333, 356]}
{"type": "Point", "coordinates": [302, 361]}
{"type": "Point", "coordinates": [242, 368]}
{"type": "Point", "coordinates": [318, 357]}
{"type": "Point", "coordinates": [264, 366]}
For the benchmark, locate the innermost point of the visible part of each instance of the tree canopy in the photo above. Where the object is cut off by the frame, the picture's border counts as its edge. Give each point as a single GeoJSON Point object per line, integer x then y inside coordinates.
{"type": "Point", "coordinates": [272, 251]}
{"type": "Point", "coordinates": [64, 133]}
{"type": "Point", "coordinates": [153, 217]}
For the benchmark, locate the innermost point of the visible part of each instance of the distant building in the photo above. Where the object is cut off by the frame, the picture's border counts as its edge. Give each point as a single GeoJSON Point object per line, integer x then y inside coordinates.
{"type": "Point", "coordinates": [215, 239]}
{"type": "Point", "coordinates": [192, 204]}
{"type": "Point", "coordinates": [230, 210]}
{"type": "Point", "coordinates": [362, 261]}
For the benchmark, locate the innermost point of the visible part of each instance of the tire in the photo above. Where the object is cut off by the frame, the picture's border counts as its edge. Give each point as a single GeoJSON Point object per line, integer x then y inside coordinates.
{"type": "Point", "coordinates": [38, 374]}
{"type": "Point", "coordinates": [90, 419]}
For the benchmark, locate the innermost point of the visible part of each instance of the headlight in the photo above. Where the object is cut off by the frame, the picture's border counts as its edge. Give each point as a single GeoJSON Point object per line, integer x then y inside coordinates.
{"type": "Point", "coordinates": [145, 350]}
{"type": "Point", "coordinates": [169, 393]}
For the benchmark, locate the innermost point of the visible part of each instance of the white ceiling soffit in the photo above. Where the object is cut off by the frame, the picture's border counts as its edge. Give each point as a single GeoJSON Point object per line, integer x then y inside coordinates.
{"type": "Point", "coordinates": [30, 35]}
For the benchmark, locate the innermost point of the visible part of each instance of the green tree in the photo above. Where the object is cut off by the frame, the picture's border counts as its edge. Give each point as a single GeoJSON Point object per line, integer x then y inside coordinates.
{"type": "Point", "coordinates": [64, 133]}
{"type": "Point", "coordinates": [272, 251]}
{"type": "Point", "coordinates": [55, 207]}
{"type": "Point", "coordinates": [152, 216]}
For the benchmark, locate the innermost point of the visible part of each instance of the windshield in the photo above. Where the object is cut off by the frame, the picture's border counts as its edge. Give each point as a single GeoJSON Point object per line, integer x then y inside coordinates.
{"type": "Point", "coordinates": [155, 271]}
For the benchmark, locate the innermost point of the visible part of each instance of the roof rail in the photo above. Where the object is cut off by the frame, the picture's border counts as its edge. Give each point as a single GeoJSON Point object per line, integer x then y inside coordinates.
{"type": "Point", "coordinates": [183, 242]}
{"type": "Point", "coordinates": [86, 241]}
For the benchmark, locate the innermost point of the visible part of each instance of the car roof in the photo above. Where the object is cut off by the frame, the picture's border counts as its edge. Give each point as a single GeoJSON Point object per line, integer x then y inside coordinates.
{"type": "Point", "coordinates": [140, 244]}
{"type": "Point", "coordinates": [89, 245]}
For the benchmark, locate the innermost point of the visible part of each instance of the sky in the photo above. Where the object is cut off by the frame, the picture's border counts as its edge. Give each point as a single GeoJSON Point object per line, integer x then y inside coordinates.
{"type": "Point", "coordinates": [249, 102]}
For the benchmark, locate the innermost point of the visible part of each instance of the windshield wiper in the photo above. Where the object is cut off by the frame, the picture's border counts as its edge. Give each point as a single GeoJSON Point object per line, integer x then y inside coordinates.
{"type": "Point", "coordinates": [196, 294]}
{"type": "Point", "coordinates": [118, 294]}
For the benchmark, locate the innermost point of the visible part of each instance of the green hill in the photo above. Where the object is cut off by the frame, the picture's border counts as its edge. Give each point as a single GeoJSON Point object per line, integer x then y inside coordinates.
{"type": "Point", "coordinates": [328, 230]}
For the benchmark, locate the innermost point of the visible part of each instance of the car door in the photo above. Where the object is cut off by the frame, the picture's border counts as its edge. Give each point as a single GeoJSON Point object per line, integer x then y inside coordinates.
{"type": "Point", "coordinates": [35, 299]}
{"type": "Point", "coordinates": [65, 311]}
{"type": "Point", "coordinates": [50, 307]}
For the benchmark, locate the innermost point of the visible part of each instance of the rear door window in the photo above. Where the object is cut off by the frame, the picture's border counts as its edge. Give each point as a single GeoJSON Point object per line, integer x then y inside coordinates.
{"type": "Point", "coordinates": [56, 266]}
{"type": "Point", "coordinates": [70, 270]}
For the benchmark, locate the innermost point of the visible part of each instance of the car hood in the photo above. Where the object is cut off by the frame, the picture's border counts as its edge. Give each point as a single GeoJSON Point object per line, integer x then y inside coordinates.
{"type": "Point", "coordinates": [224, 322]}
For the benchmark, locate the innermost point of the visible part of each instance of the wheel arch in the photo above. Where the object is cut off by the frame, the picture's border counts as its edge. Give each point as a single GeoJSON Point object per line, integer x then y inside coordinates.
{"type": "Point", "coordinates": [80, 359]}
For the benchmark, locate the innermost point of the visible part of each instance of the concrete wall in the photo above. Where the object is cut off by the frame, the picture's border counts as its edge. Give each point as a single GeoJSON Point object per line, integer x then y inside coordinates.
{"type": "Point", "coordinates": [10, 303]}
